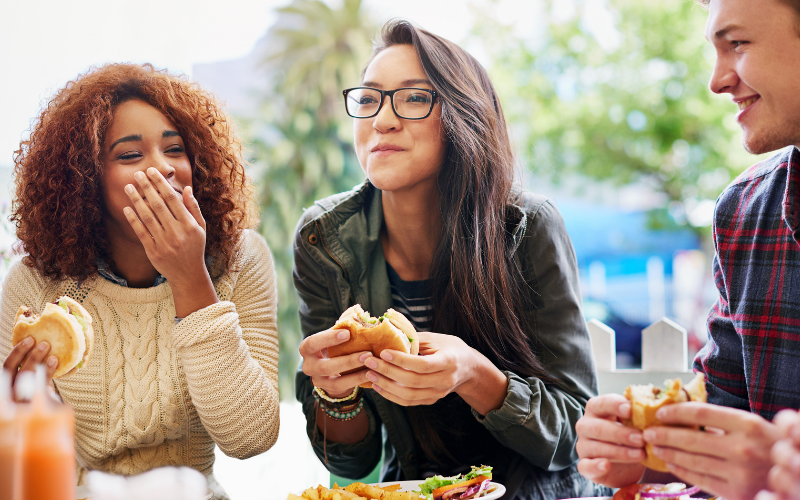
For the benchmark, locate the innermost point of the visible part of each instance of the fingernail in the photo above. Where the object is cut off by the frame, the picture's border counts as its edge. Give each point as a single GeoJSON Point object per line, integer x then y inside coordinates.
{"type": "Point", "coordinates": [371, 363]}
{"type": "Point", "coordinates": [191, 191]}
{"type": "Point", "coordinates": [636, 439]}
{"type": "Point", "coordinates": [372, 377]}
{"type": "Point", "coordinates": [344, 335]}
{"type": "Point", "coordinates": [138, 176]}
{"type": "Point", "coordinates": [28, 341]}
{"type": "Point", "coordinates": [127, 211]}
{"type": "Point", "coordinates": [661, 413]}
{"type": "Point", "coordinates": [364, 356]}
{"type": "Point", "coordinates": [43, 345]}
{"type": "Point", "coordinates": [657, 451]}
{"type": "Point", "coordinates": [633, 453]}
{"type": "Point", "coordinates": [151, 171]}
{"type": "Point", "coordinates": [129, 189]}
{"type": "Point", "coordinates": [386, 355]}
{"type": "Point", "coordinates": [51, 361]}
{"type": "Point", "coordinates": [602, 467]}
{"type": "Point", "coordinates": [794, 463]}
{"type": "Point", "coordinates": [377, 388]}
{"type": "Point", "coordinates": [625, 408]}
{"type": "Point", "coordinates": [649, 435]}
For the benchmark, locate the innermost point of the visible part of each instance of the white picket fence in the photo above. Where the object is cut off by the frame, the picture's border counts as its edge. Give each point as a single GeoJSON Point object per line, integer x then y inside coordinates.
{"type": "Point", "coordinates": [664, 356]}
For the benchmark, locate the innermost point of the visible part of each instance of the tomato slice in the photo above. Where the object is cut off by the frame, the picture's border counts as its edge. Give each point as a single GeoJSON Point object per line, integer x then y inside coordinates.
{"type": "Point", "coordinates": [627, 493]}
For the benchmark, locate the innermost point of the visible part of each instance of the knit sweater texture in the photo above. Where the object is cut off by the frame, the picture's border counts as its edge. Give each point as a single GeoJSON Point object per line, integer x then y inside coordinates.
{"type": "Point", "coordinates": [156, 393]}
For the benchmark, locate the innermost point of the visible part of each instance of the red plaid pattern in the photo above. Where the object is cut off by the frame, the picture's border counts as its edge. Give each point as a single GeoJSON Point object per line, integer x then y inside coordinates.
{"type": "Point", "coordinates": [752, 358]}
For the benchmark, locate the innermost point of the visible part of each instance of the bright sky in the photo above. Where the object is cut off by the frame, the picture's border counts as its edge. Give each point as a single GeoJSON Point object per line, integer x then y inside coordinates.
{"type": "Point", "coordinates": [46, 43]}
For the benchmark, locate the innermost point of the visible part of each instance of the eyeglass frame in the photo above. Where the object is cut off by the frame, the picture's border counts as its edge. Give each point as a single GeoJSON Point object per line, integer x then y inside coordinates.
{"type": "Point", "coordinates": [390, 93]}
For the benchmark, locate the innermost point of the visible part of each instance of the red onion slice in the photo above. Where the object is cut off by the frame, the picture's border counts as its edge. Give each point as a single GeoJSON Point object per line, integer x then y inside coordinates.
{"type": "Point", "coordinates": [454, 493]}
{"type": "Point", "coordinates": [669, 494]}
{"type": "Point", "coordinates": [475, 490]}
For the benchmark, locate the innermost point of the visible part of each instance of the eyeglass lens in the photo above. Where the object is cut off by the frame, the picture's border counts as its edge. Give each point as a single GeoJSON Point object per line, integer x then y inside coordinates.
{"type": "Point", "coordinates": [408, 103]}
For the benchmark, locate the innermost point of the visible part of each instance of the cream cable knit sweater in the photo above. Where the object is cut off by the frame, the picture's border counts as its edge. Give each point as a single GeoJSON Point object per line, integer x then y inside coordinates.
{"type": "Point", "coordinates": [155, 393]}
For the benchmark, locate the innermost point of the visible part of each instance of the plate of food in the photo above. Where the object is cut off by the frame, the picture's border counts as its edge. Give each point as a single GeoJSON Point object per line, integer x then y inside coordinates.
{"type": "Point", "coordinates": [491, 491]}
{"type": "Point", "coordinates": [475, 484]}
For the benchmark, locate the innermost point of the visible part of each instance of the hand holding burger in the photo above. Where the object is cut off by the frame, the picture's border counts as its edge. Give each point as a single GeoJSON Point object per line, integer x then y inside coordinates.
{"type": "Point", "coordinates": [62, 335]}
{"type": "Point", "coordinates": [367, 334]}
{"type": "Point", "coordinates": [334, 359]}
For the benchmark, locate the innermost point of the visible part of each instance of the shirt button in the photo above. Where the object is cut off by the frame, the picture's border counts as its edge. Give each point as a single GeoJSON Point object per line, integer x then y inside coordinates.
{"type": "Point", "coordinates": [312, 238]}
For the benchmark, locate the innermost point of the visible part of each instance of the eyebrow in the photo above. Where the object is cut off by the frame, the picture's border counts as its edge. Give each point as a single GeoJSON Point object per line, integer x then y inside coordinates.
{"type": "Point", "coordinates": [138, 137]}
{"type": "Point", "coordinates": [724, 31]}
{"type": "Point", "coordinates": [127, 138]}
{"type": "Point", "coordinates": [404, 83]}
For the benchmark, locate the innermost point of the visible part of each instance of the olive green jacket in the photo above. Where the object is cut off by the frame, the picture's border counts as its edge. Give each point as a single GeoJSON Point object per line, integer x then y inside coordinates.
{"type": "Point", "coordinates": [339, 262]}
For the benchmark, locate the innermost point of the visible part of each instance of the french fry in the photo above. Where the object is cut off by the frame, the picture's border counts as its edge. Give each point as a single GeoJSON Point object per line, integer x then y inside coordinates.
{"type": "Point", "coordinates": [356, 488]}
{"type": "Point", "coordinates": [355, 491]}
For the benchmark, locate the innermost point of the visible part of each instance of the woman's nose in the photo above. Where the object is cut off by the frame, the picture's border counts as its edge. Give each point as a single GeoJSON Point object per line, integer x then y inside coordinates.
{"type": "Point", "coordinates": [163, 166]}
{"type": "Point", "coordinates": [386, 119]}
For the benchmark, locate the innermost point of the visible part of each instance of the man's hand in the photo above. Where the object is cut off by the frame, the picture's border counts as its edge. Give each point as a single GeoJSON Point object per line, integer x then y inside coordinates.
{"type": "Point", "coordinates": [730, 458]}
{"type": "Point", "coordinates": [784, 477]}
{"type": "Point", "coordinates": [610, 453]}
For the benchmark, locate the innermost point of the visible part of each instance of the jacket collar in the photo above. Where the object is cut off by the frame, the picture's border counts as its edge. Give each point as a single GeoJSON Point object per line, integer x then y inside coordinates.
{"type": "Point", "coordinates": [791, 196]}
{"type": "Point", "coordinates": [351, 224]}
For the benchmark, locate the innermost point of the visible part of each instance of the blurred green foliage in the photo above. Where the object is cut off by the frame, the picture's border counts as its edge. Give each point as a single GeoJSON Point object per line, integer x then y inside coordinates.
{"type": "Point", "coordinates": [301, 147]}
{"type": "Point", "coordinates": [625, 102]}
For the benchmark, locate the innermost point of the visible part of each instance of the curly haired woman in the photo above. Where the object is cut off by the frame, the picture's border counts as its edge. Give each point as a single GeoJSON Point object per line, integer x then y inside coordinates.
{"type": "Point", "coordinates": [131, 198]}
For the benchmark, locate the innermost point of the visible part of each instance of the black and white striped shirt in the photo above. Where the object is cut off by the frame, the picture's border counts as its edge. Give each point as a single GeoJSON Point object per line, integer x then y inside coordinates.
{"type": "Point", "coordinates": [413, 299]}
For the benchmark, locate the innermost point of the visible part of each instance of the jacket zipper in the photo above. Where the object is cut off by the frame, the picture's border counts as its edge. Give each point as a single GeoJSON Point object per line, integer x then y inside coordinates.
{"type": "Point", "coordinates": [322, 240]}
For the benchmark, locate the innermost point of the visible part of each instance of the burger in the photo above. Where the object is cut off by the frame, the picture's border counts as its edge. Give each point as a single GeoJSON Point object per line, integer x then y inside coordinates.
{"type": "Point", "coordinates": [390, 331]}
{"type": "Point", "coordinates": [647, 399]}
{"type": "Point", "coordinates": [65, 325]}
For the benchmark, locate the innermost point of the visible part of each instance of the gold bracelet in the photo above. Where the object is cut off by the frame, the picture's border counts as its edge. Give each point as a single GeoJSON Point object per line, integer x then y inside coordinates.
{"type": "Point", "coordinates": [324, 395]}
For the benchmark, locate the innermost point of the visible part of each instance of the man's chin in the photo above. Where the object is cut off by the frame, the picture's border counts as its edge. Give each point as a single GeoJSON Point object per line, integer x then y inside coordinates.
{"type": "Point", "coordinates": [757, 144]}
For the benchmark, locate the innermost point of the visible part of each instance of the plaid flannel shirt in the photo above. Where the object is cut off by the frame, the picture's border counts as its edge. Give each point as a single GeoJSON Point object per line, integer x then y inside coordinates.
{"type": "Point", "coordinates": [752, 358]}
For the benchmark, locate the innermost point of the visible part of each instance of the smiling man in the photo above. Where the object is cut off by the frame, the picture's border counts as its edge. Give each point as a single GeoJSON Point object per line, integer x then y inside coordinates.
{"type": "Point", "coordinates": [752, 359]}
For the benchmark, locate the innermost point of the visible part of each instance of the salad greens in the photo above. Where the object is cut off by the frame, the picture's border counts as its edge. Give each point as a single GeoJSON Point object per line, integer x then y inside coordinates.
{"type": "Point", "coordinates": [66, 307]}
{"type": "Point", "coordinates": [432, 483]}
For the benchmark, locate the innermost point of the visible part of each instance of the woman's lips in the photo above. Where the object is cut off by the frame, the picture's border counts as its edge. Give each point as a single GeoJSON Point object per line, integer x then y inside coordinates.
{"type": "Point", "coordinates": [386, 150]}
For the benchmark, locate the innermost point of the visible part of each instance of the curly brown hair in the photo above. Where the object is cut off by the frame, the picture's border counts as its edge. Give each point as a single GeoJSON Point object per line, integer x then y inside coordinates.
{"type": "Point", "coordinates": [58, 206]}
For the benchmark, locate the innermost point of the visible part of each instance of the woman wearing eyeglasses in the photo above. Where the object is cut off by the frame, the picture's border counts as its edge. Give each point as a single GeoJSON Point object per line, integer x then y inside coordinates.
{"type": "Point", "coordinates": [438, 232]}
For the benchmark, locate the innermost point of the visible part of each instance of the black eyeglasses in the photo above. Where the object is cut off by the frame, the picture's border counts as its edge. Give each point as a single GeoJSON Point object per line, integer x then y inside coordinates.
{"type": "Point", "coordinates": [408, 103]}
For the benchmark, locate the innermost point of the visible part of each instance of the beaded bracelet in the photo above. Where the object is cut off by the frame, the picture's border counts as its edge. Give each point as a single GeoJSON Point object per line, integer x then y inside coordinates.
{"type": "Point", "coordinates": [338, 411]}
{"type": "Point", "coordinates": [350, 415]}
{"type": "Point", "coordinates": [324, 395]}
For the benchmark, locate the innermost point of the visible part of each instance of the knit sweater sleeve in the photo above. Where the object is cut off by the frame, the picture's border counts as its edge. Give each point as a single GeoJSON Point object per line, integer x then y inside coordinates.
{"type": "Point", "coordinates": [22, 287]}
{"type": "Point", "coordinates": [229, 354]}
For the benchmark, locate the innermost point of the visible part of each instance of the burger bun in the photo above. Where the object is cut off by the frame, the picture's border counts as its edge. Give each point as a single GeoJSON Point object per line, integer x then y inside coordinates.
{"type": "Point", "coordinates": [71, 339]}
{"type": "Point", "coordinates": [394, 332]}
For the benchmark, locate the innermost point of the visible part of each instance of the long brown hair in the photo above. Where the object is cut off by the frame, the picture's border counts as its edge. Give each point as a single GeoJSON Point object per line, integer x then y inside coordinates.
{"type": "Point", "coordinates": [58, 205]}
{"type": "Point", "coordinates": [476, 283]}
